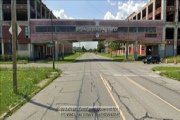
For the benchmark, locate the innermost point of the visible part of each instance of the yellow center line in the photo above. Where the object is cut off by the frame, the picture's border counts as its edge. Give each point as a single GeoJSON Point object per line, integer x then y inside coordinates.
{"type": "Point", "coordinates": [109, 90]}
{"type": "Point", "coordinates": [144, 89]}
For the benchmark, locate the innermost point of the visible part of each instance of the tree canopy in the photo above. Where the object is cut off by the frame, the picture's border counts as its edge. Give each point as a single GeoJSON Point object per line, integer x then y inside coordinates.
{"type": "Point", "coordinates": [100, 46]}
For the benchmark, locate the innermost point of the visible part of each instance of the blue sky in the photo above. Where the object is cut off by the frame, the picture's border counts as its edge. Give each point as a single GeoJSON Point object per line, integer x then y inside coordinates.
{"type": "Point", "coordinates": [94, 9]}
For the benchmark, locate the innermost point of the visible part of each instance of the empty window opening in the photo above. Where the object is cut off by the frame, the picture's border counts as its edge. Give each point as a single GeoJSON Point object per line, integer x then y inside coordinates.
{"type": "Point", "coordinates": [139, 16]}
{"type": "Point", "coordinates": [170, 17]}
{"type": "Point", "coordinates": [178, 50]}
{"type": "Point", "coordinates": [150, 8]}
{"type": "Point", "coordinates": [170, 2]}
{"type": "Point", "coordinates": [43, 11]}
{"type": "Point", "coordinates": [6, 1]}
{"type": "Point", "coordinates": [158, 4]}
{"type": "Point", "coordinates": [38, 7]}
{"type": "Point", "coordinates": [7, 15]}
{"type": "Point", "coordinates": [144, 13]}
{"type": "Point", "coordinates": [33, 15]}
{"type": "Point", "coordinates": [158, 17]}
{"type": "Point", "coordinates": [134, 18]}
{"type": "Point", "coordinates": [21, 1]}
{"type": "Point", "coordinates": [22, 15]}
{"type": "Point", "coordinates": [178, 34]}
{"type": "Point", "coordinates": [32, 3]}
{"type": "Point", "coordinates": [169, 33]}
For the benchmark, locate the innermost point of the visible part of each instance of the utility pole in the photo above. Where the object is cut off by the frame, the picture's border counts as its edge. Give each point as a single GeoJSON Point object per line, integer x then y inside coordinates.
{"type": "Point", "coordinates": [53, 51]}
{"type": "Point", "coordinates": [14, 35]}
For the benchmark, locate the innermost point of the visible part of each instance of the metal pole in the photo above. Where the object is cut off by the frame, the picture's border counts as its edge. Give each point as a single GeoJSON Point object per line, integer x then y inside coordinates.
{"type": "Point", "coordinates": [53, 51]}
{"type": "Point", "coordinates": [13, 24]}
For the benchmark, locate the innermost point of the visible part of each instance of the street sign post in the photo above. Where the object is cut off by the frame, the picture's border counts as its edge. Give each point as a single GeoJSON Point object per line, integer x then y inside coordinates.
{"type": "Point", "coordinates": [50, 44]}
{"type": "Point", "coordinates": [18, 29]}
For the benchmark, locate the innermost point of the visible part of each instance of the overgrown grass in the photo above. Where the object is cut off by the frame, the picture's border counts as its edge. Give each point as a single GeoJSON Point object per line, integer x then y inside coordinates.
{"type": "Point", "coordinates": [27, 79]}
{"type": "Point", "coordinates": [171, 72]}
{"type": "Point", "coordinates": [171, 59]}
{"type": "Point", "coordinates": [117, 58]}
{"type": "Point", "coordinates": [68, 58]}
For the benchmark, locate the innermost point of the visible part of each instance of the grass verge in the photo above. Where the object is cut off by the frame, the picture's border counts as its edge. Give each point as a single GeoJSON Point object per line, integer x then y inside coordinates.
{"type": "Point", "coordinates": [68, 58]}
{"type": "Point", "coordinates": [171, 72]}
{"type": "Point", "coordinates": [171, 59]}
{"type": "Point", "coordinates": [116, 58]}
{"type": "Point", "coordinates": [27, 86]}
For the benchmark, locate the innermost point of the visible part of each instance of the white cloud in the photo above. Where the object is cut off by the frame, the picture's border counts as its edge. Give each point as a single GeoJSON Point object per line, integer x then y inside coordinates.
{"type": "Point", "coordinates": [110, 16]}
{"type": "Point", "coordinates": [61, 14]}
{"type": "Point", "coordinates": [111, 3]}
{"type": "Point", "coordinates": [125, 9]}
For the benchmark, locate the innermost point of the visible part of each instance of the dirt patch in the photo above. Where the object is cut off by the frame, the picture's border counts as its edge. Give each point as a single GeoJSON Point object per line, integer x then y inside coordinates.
{"type": "Point", "coordinates": [43, 82]}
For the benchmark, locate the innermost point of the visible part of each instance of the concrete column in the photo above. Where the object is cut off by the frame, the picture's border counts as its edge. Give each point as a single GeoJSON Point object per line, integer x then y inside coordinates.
{"type": "Point", "coordinates": [2, 46]}
{"type": "Point", "coordinates": [56, 51]}
{"type": "Point", "coordinates": [141, 15]}
{"type": "Point", "coordinates": [28, 10]}
{"type": "Point", "coordinates": [46, 50]}
{"type": "Point", "coordinates": [175, 40]}
{"type": "Point", "coordinates": [147, 13]}
{"type": "Point", "coordinates": [176, 28]}
{"type": "Point", "coordinates": [144, 50]}
{"type": "Point", "coordinates": [140, 49]}
{"type": "Point", "coordinates": [154, 9]}
{"type": "Point", "coordinates": [163, 9]}
{"type": "Point", "coordinates": [1, 12]}
{"type": "Point", "coordinates": [62, 51]}
{"type": "Point", "coordinates": [135, 50]}
{"type": "Point", "coordinates": [31, 49]}
{"type": "Point", "coordinates": [126, 51]}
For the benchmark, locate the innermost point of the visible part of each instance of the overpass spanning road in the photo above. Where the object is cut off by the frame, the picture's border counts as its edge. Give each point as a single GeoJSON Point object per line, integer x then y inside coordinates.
{"type": "Point", "coordinates": [136, 92]}
{"type": "Point", "coordinates": [93, 30]}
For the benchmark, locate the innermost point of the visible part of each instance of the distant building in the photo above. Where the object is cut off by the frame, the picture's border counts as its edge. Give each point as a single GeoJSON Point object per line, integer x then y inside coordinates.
{"type": "Point", "coordinates": [169, 12]}
{"type": "Point", "coordinates": [25, 11]}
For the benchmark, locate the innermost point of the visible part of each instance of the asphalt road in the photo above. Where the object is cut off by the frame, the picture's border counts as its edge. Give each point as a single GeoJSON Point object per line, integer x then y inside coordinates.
{"type": "Point", "coordinates": [96, 88]}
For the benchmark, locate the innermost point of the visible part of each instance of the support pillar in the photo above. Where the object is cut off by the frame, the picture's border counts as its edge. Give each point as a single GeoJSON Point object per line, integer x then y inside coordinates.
{"type": "Point", "coordinates": [135, 50]}
{"type": "Point", "coordinates": [176, 28]}
{"type": "Point", "coordinates": [62, 51]}
{"type": "Point", "coordinates": [2, 46]}
{"type": "Point", "coordinates": [154, 9]}
{"type": "Point", "coordinates": [56, 51]}
{"type": "Point", "coordinates": [144, 50]}
{"type": "Point", "coordinates": [126, 51]}
{"type": "Point", "coordinates": [31, 47]}
{"type": "Point", "coordinates": [140, 50]}
{"type": "Point", "coordinates": [46, 50]}
{"type": "Point", "coordinates": [175, 40]}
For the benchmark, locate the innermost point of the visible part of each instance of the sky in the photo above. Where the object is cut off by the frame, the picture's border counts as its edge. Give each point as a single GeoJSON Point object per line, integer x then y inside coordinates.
{"type": "Point", "coordinates": [94, 9]}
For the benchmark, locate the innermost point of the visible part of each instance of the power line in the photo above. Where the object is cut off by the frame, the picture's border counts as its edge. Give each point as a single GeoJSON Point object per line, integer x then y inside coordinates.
{"type": "Point", "coordinates": [87, 1]}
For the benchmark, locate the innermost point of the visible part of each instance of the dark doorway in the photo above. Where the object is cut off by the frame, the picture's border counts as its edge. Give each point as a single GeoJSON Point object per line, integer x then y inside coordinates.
{"type": "Point", "coordinates": [148, 50]}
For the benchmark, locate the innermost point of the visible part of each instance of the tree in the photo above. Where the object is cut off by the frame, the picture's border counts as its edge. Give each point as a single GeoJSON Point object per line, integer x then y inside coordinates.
{"type": "Point", "coordinates": [83, 49]}
{"type": "Point", "coordinates": [114, 46]}
{"type": "Point", "coordinates": [90, 50]}
{"type": "Point", "coordinates": [94, 50]}
{"type": "Point", "coordinates": [100, 46]}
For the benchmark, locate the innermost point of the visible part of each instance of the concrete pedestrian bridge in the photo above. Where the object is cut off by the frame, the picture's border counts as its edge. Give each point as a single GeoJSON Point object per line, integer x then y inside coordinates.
{"type": "Point", "coordinates": [44, 31]}
{"type": "Point", "coordinates": [144, 32]}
